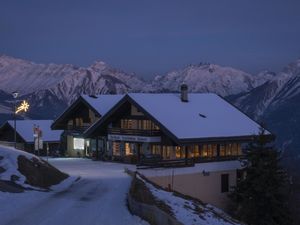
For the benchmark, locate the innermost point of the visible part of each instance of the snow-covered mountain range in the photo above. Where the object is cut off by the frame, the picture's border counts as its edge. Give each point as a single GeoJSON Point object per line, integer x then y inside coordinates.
{"type": "Point", "coordinates": [206, 77]}
{"type": "Point", "coordinates": [65, 82]}
{"type": "Point", "coordinates": [56, 86]}
{"type": "Point", "coordinates": [277, 104]}
{"type": "Point", "coordinates": [269, 97]}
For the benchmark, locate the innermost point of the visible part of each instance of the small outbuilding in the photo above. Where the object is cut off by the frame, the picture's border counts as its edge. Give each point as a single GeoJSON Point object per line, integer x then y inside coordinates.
{"type": "Point", "coordinates": [31, 135]}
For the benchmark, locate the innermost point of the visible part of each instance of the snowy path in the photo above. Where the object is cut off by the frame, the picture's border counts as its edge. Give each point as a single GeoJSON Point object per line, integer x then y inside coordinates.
{"type": "Point", "coordinates": [99, 197]}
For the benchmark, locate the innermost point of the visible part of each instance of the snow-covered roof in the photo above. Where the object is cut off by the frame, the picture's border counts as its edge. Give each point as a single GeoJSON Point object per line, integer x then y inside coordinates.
{"type": "Point", "coordinates": [205, 115]}
{"type": "Point", "coordinates": [102, 103]}
{"type": "Point", "coordinates": [25, 130]}
{"type": "Point", "coordinates": [99, 103]}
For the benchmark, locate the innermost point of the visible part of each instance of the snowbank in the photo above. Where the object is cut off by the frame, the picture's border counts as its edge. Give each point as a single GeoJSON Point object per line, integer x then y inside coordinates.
{"type": "Point", "coordinates": [29, 171]}
{"type": "Point", "coordinates": [189, 211]}
{"type": "Point", "coordinates": [9, 162]}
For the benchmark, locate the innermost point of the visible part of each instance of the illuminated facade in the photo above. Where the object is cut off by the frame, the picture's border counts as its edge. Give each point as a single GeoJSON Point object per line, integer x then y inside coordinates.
{"type": "Point", "coordinates": [202, 131]}
{"type": "Point", "coordinates": [163, 125]}
{"type": "Point", "coordinates": [129, 127]}
{"type": "Point", "coordinates": [85, 111]}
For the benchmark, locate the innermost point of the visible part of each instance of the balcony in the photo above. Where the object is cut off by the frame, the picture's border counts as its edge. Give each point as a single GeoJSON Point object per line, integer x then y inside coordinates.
{"type": "Point", "coordinates": [218, 158]}
{"type": "Point", "coordinates": [136, 132]}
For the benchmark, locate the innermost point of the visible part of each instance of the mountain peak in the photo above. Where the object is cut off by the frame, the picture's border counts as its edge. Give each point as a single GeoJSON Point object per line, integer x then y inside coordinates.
{"type": "Point", "coordinates": [293, 68]}
{"type": "Point", "coordinates": [99, 66]}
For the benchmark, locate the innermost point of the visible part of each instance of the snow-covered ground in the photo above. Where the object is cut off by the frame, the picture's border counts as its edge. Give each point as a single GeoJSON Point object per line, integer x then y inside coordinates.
{"type": "Point", "coordinates": [10, 164]}
{"type": "Point", "coordinates": [99, 197]}
{"type": "Point", "coordinates": [190, 212]}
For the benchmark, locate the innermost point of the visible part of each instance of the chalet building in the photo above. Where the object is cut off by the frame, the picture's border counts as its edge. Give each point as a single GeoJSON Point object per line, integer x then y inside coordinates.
{"type": "Point", "coordinates": [85, 111]}
{"type": "Point", "coordinates": [202, 130]}
{"type": "Point", "coordinates": [201, 127]}
{"type": "Point", "coordinates": [169, 128]}
{"type": "Point", "coordinates": [25, 139]}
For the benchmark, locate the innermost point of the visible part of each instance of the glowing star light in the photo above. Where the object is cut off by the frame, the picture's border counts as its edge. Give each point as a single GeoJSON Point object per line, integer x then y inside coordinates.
{"type": "Point", "coordinates": [23, 107]}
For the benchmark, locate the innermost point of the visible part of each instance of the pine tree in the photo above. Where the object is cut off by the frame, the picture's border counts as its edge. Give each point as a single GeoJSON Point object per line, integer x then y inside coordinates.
{"type": "Point", "coordinates": [261, 196]}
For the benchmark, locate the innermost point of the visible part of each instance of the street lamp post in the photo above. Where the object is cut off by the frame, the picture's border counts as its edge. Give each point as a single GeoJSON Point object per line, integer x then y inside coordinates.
{"type": "Point", "coordinates": [15, 95]}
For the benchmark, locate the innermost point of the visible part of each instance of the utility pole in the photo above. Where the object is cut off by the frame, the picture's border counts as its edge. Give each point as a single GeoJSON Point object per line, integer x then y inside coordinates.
{"type": "Point", "coordinates": [15, 95]}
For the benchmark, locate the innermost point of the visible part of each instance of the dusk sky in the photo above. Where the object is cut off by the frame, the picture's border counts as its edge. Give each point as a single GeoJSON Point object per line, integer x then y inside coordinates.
{"type": "Point", "coordinates": [153, 37]}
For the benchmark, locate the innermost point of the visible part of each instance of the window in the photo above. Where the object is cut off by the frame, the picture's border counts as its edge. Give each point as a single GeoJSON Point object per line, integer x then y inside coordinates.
{"type": "Point", "coordinates": [230, 149]}
{"type": "Point", "coordinates": [179, 152]}
{"type": "Point", "coordinates": [78, 122]}
{"type": "Point", "coordinates": [190, 150]}
{"type": "Point", "coordinates": [116, 148]}
{"type": "Point", "coordinates": [196, 151]}
{"type": "Point", "coordinates": [78, 144]}
{"type": "Point", "coordinates": [234, 149]}
{"type": "Point", "coordinates": [224, 183]}
{"type": "Point", "coordinates": [222, 150]}
{"type": "Point", "coordinates": [167, 152]}
{"type": "Point", "coordinates": [204, 151]}
{"type": "Point", "coordinates": [156, 150]}
{"type": "Point", "coordinates": [128, 148]}
{"type": "Point", "coordinates": [138, 124]}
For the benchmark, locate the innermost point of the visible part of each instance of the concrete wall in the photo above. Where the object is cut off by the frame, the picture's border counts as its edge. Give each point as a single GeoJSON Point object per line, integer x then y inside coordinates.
{"type": "Point", "coordinates": [206, 188]}
{"type": "Point", "coordinates": [150, 213]}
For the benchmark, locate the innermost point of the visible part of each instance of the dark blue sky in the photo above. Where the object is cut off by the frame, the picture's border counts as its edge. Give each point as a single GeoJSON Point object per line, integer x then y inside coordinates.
{"type": "Point", "coordinates": [153, 37]}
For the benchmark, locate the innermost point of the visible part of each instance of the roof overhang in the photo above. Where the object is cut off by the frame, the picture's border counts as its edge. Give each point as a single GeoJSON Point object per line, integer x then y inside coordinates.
{"type": "Point", "coordinates": [90, 131]}
{"type": "Point", "coordinates": [79, 100]}
{"type": "Point", "coordinates": [246, 138]}
{"type": "Point", "coordinates": [9, 125]}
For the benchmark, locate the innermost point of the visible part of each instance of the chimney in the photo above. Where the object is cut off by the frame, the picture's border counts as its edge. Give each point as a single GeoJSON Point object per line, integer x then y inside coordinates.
{"type": "Point", "coordinates": [184, 93]}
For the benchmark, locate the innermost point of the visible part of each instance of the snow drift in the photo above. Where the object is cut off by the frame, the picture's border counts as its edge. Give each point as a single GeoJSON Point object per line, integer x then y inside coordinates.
{"type": "Point", "coordinates": [26, 171]}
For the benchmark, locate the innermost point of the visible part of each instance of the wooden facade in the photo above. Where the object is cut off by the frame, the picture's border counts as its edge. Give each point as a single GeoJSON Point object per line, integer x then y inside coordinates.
{"type": "Point", "coordinates": [74, 121]}
{"type": "Point", "coordinates": [128, 133]}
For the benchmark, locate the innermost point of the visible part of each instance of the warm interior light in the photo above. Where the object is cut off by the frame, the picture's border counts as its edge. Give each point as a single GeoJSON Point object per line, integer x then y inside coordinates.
{"type": "Point", "coordinates": [78, 143]}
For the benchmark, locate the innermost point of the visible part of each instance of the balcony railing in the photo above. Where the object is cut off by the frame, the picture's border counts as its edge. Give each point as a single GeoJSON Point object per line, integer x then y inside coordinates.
{"type": "Point", "coordinates": [134, 132]}
{"type": "Point", "coordinates": [218, 158]}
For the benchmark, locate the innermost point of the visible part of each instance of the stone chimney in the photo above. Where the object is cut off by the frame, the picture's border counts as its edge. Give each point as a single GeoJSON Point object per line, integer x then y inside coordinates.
{"type": "Point", "coordinates": [184, 93]}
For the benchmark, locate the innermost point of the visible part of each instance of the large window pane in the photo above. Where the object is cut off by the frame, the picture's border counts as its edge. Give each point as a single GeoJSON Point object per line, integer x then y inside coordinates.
{"type": "Point", "coordinates": [78, 143]}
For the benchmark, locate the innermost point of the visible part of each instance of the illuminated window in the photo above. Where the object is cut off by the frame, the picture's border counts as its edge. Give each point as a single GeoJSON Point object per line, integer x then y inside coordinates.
{"type": "Point", "coordinates": [128, 149]}
{"type": "Point", "coordinates": [209, 151]}
{"type": "Point", "coordinates": [78, 143]}
{"type": "Point", "coordinates": [138, 124]}
{"type": "Point", "coordinates": [196, 151]}
{"type": "Point", "coordinates": [204, 151]}
{"type": "Point", "coordinates": [214, 150]}
{"type": "Point", "coordinates": [190, 150]}
{"type": "Point", "coordinates": [167, 152]}
{"type": "Point", "coordinates": [116, 148]}
{"type": "Point", "coordinates": [234, 149]}
{"type": "Point", "coordinates": [222, 150]}
{"type": "Point", "coordinates": [78, 122]}
{"type": "Point", "coordinates": [230, 149]}
{"type": "Point", "coordinates": [178, 152]}
{"type": "Point", "coordinates": [156, 150]}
